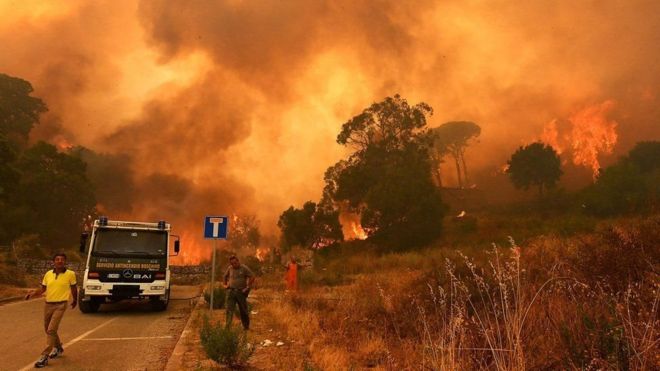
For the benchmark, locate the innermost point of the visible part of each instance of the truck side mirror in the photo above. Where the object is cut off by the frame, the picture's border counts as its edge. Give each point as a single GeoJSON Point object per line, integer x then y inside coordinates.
{"type": "Point", "coordinates": [83, 241]}
{"type": "Point", "coordinates": [177, 246]}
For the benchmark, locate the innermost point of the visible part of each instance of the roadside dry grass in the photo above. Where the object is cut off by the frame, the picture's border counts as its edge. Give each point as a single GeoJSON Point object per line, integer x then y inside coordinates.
{"type": "Point", "coordinates": [589, 301]}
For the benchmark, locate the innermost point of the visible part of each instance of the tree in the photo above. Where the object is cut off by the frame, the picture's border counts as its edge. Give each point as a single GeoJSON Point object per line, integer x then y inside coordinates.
{"type": "Point", "coordinates": [536, 164]}
{"type": "Point", "coordinates": [55, 192]}
{"type": "Point", "coordinates": [645, 155]}
{"type": "Point", "coordinates": [244, 232]}
{"type": "Point", "coordinates": [389, 124]}
{"type": "Point", "coordinates": [632, 185]}
{"type": "Point", "coordinates": [312, 226]}
{"type": "Point", "coordinates": [9, 175]}
{"type": "Point", "coordinates": [18, 110]}
{"type": "Point", "coordinates": [387, 180]}
{"type": "Point", "coordinates": [453, 138]}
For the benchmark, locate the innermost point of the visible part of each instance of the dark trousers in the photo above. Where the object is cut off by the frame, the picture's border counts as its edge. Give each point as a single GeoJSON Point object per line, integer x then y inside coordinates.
{"type": "Point", "coordinates": [237, 297]}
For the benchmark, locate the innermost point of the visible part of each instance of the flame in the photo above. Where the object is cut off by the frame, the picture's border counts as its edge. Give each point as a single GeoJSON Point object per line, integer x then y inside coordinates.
{"type": "Point", "coordinates": [262, 253]}
{"type": "Point", "coordinates": [351, 227]}
{"type": "Point", "coordinates": [591, 134]}
{"type": "Point", "coordinates": [62, 143]}
{"type": "Point", "coordinates": [193, 251]}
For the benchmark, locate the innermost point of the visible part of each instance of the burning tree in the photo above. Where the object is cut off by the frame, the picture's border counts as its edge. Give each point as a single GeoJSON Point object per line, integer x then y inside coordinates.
{"type": "Point", "coordinates": [313, 226]}
{"type": "Point", "coordinates": [536, 164]}
{"type": "Point", "coordinates": [387, 180]}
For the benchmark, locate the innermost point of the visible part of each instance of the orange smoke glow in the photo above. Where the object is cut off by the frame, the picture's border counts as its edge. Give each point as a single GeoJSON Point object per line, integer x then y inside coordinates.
{"type": "Point", "coordinates": [351, 227]}
{"type": "Point", "coordinates": [550, 136]}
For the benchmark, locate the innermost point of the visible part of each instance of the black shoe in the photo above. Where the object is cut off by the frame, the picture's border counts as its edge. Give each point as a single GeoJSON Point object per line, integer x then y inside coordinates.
{"type": "Point", "coordinates": [42, 362]}
{"type": "Point", "coordinates": [56, 352]}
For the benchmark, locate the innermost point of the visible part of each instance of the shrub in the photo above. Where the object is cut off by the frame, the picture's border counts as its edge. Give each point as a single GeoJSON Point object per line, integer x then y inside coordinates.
{"type": "Point", "coordinates": [219, 295]}
{"type": "Point", "coordinates": [254, 264]}
{"type": "Point", "coordinates": [11, 275]}
{"type": "Point", "coordinates": [225, 345]}
{"type": "Point", "coordinates": [620, 254]}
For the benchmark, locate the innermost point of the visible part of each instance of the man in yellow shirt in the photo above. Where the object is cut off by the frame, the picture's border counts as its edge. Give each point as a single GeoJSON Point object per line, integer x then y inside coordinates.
{"type": "Point", "coordinates": [59, 285]}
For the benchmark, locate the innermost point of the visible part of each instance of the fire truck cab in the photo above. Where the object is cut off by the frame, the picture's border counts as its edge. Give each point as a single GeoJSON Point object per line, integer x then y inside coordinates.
{"type": "Point", "coordinates": [126, 260]}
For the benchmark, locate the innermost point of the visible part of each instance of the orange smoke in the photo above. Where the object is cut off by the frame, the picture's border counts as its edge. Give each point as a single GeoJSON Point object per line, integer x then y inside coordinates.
{"type": "Point", "coordinates": [592, 133]}
{"type": "Point", "coordinates": [351, 227]}
{"type": "Point", "coordinates": [550, 136]}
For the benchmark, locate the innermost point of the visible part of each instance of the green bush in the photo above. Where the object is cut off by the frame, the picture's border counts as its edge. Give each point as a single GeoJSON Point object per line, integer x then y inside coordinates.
{"type": "Point", "coordinates": [219, 295]}
{"type": "Point", "coordinates": [225, 345]}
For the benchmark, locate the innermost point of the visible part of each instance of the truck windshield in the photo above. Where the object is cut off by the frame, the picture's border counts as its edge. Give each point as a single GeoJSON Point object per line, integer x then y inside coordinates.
{"type": "Point", "coordinates": [118, 242]}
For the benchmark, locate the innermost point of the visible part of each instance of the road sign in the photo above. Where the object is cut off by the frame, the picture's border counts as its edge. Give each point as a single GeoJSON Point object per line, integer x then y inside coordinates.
{"type": "Point", "coordinates": [215, 227]}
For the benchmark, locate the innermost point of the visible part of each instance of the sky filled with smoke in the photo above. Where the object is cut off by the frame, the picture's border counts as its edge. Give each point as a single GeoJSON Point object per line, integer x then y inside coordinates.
{"type": "Point", "coordinates": [200, 107]}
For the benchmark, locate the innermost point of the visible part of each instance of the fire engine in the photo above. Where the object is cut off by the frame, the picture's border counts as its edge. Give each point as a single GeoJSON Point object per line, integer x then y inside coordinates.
{"type": "Point", "coordinates": [126, 260]}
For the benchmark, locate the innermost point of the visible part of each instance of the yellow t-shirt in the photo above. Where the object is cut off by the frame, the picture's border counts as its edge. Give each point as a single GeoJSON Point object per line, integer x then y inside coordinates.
{"type": "Point", "coordinates": [58, 286]}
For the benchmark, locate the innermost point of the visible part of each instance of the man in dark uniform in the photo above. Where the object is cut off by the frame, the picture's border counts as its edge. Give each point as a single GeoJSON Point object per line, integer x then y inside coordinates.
{"type": "Point", "coordinates": [238, 281]}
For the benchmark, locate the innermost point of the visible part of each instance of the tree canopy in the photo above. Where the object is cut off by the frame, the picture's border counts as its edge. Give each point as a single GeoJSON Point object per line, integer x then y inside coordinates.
{"type": "Point", "coordinates": [645, 155]}
{"type": "Point", "coordinates": [632, 185]}
{"type": "Point", "coordinates": [387, 180]}
{"type": "Point", "coordinates": [389, 124]}
{"type": "Point", "coordinates": [19, 112]}
{"type": "Point", "coordinates": [244, 232]}
{"type": "Point", "coordinates": [54, 192]}
{"type": "Point", "coordinates": [536, 164]}
{"type": "Point", "coordinates": [43, 192]}
{"type": "Point", "coordinates": [453, 138]}
{"type": "Point", "coordinates": [312, 226]}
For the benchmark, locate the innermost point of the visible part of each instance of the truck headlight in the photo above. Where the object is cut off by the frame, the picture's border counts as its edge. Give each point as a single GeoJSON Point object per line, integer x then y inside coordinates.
{"type": "Point", "coordinates": [156, 288]}
{"type": "Point", "coordinates": [93, 287]}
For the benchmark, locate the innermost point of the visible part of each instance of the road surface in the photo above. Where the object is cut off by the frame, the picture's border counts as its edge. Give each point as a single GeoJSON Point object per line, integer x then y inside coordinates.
{"type": "Point", "coordinates": [121, 336]}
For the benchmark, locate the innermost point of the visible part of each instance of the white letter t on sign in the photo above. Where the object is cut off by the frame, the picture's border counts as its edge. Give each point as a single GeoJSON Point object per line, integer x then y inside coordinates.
{"type": "Point", "coordinates": [216, 222]}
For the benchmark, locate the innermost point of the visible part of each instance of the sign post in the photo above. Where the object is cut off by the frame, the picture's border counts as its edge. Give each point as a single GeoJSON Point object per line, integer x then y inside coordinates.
{"type": "Point", "coordinates": [215, 228]}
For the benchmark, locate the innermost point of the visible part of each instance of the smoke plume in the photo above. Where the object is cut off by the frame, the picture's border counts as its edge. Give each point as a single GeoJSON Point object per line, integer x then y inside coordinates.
{"type": "Point", "coordinates": [234, 106]}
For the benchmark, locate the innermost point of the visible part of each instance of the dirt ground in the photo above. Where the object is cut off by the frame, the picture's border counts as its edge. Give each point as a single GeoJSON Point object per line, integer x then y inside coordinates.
{"type": "Point", "coordinates": [290, 355]}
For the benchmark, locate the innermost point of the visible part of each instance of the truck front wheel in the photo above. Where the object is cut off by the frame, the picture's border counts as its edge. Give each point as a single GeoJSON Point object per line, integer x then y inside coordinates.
{"type": "Point", "coordinates": [159, 305]}
{"type": "Point", "coordinates": [91, 306]}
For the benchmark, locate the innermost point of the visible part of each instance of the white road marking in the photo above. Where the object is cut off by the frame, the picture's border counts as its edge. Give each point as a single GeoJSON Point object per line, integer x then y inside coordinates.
{"type": "Point", "coordinates": [31, 365]}
{"type": "Point", "coordinates": [129, 338]}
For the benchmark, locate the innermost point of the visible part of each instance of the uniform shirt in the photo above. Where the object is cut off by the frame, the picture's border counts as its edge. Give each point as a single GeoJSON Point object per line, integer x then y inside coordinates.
{"type": "Point", "coordinates": [237, 278]}
{"type": "Point", "coordinates": [58, 286]}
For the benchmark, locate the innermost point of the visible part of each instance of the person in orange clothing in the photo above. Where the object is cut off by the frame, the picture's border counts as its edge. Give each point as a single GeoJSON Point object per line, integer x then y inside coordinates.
{"type": "Point", "coordinates": [291, 276]}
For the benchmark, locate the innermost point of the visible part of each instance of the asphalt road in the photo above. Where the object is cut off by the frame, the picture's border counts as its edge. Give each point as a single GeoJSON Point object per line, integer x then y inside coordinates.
{"type": "Point", "coordinates": [121, 336]}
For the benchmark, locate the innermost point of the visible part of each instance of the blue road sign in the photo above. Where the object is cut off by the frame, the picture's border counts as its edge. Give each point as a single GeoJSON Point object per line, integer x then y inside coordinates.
{"type": "Point", "coordinates": [215, 227]}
